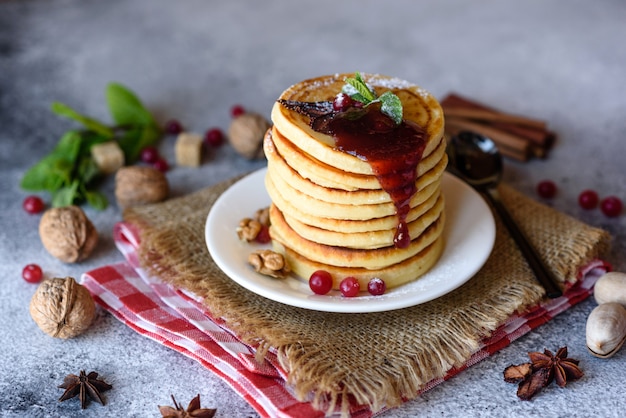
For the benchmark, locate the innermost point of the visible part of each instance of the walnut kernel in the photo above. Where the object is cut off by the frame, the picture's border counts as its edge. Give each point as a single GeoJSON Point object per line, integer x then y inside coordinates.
{"type": "Point", "coordinates": [62, 308]}
{"type": "Point", "coordinates": [139, 185]}
{"type": "Point", "coordinates": [270, 263]}
{"type": "Point", "coordinates": [263, 216]}
{"type": "Point", "coordinates": [246, 134]}
{"type": "Point", "coordinates": [248, 229]}
{"type": "Point", "coordinates": [67, 233]}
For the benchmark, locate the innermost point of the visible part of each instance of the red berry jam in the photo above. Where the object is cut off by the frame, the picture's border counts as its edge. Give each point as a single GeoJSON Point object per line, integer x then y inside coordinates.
{"type": "Point", "coordinates": [611, 206]}
{"type": "Point", "coordinates": [321, 282]}
{"type": "Point", "coordinates": [376, 286]}
{"type": "Point", "coordinates": [33, 205]}
{"type": "Point", "coordinates": [546, 189]}
{"type": "Point", "coordinates": [349, 287]}
{"type": "Point", "coordinates": [392, 150]}
{"type": "Point", "coordinates": [32, 273]}
{"type": "Point", "coordinates": [588, 199]}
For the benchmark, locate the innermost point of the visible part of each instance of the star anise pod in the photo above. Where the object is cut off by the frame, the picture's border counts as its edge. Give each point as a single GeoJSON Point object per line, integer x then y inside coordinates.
{"type": "Point", "coordinates": [193, 410]}
{"type": "Point", "coordinates": [82, 386]}
{"type": "Point", "coordinates": [561, 368]}
{"type": "Point", "coordinates": [543, 369]}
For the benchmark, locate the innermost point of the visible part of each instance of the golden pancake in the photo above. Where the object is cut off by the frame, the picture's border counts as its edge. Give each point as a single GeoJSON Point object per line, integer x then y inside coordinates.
{"type": "Point", "coordinates": [329, 210]}
{"type": "Point", "coordinates": [369, 239]}
{"type": "Point", "coordinates": [419, 106]}
{"type": "Point", "coordinates": [312, 184]}
{"type": "Point", "coordinates": [276, 184]}
{"type": "Point", "coordinates": [430, 193]}
{"type": "Point", "coordinates": [349, 257]}
{"type": "Point", "coordinates": [393, 276]}
{"type": "Point", "coordinates": [336, 178]}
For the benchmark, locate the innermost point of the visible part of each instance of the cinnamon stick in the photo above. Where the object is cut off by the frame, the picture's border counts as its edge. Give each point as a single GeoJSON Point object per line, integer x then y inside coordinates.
{"type": "Point", "coordinates": [508, 145]}
{"type": "Point", "coordinates": [531, 129]}
{"type": "Point", "coordinates": [518, 137]}
{"type": "Point", "coordinates": [492, 117]}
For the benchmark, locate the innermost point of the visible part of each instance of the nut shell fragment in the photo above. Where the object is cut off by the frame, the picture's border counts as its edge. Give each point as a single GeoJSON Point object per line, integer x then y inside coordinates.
{"type": "Point", "coordinates": [606, 329]}
{"type": "Point", "coordinates": [62, 308]}
{"type": "Point", "coordinates": [108, 156]}
{"type": "Point", "coordinates": [67, 233]}
{"type": "Point", "coordinates": [188, 149]}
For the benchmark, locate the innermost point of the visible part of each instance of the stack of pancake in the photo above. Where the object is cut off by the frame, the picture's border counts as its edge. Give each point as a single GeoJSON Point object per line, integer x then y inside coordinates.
{"type": "Point", "coordinates": [328, 209]}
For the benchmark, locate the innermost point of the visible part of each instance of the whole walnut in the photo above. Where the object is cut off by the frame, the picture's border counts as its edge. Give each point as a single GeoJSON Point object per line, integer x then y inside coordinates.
{"type": "Point", "coordinates": [140, 185]}
{"type": "Point", "coordinates": [62, 308]}
{"type": "Point", "coordinates": [67, 233]}
{"type": "Point", "coordinates": [246, 134]}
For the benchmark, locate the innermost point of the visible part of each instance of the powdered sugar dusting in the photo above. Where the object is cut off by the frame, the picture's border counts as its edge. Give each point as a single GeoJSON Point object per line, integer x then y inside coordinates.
{"type": "Point", "coordinates": [395, 83]}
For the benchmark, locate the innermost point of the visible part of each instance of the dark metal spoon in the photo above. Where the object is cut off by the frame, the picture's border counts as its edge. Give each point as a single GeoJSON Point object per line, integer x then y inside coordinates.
{"type": "Point", "coordinates": [476, 159]}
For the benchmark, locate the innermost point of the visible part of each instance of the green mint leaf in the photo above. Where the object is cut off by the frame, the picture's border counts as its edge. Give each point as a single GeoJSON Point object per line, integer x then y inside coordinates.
{"type": "Point", "coordinates": [68, 147]}
{"type": "Point", "coordinates": [358, 90]}
{"type": "Point", "coordinates": [87, 170]}
{"type": "Point", "coordinates": [129, 143]}
{"type": "Point", "coordinates": [55, 169]}
{"type": "Point", "coordinates": [66, 195]}
{"type": "Point", "coordinates": [89, 123]}
{"type": "Point", "coordinates": [136, 139]}
{"type": "Point", "coordinates": [391, 106]}
{"type": "Point", "coordinates": [126, 108]}
{"type": "Point", "coordinates": [96, 199]}
{"type": "Point", "coordinates": [41, 177]}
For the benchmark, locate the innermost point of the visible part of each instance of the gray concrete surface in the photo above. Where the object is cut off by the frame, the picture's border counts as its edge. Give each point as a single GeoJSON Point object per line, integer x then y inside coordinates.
{"type": "Point", "coordinates": [562, 61]}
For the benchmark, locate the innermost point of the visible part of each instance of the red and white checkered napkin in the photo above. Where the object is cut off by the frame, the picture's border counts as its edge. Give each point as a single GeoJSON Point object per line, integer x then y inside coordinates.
{"type": "Point", "coordinates": [180, 321]}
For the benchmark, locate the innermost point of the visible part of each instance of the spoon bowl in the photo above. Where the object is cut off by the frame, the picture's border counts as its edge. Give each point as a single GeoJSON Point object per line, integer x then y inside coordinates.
{"type": "Point", "coordinates": [476, 159]}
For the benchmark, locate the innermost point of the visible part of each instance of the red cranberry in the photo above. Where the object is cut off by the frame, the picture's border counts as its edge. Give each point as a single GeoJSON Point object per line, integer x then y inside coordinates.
{"type": "Point", "coordinates": [237, 110]}
{"type": "Point", "coordinates": [33, 204]}
{"type": "Point", "coordinates": [342, 102]}
{"type": "Point", "coordinates": [32, 273]}
{"type": "Point", "coordinates": [376, 286]}
{"type": "Point", "coordinates": [161, 165]}
{"type": "Point", "coordinates": [588, 199]}
{"type": "Point", "coordinates": [320, 282]}
{"type": "Point", "coordinates": [349, 287]}
{"type": "Point", "coordinates": [263, 237]}
{"type": "Point", "coordinates": [546, 189]}
{"type": "Point", "coordinates": [173, 127]}
{"type": "Point", "coordinates": [214, 137]}
{"type": "Point", "coordinates": [149, 155]}
{"type": "Point", "coordinates": [611, 206]}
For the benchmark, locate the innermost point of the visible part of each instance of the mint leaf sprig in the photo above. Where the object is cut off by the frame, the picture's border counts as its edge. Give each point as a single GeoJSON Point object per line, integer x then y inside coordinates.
{"type": "Point", "coordinates": [69, 172]}
{"type": "Point", "coordinates": [358, 90]}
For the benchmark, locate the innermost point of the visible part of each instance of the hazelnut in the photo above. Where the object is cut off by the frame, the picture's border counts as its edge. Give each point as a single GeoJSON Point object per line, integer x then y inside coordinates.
{"type": "Point", "coordinates": [62, 308]}
{"type": "Point", "coordinates": [246, 134]}
{"type": "Point", "coordinates": [67, 233]}
{"type": "Point", "coordinates": [139, 185]}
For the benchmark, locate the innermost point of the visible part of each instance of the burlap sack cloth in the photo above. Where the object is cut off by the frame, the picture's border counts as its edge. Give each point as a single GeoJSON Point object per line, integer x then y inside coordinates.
{"type": "Point", "coordinates": [379, 358]}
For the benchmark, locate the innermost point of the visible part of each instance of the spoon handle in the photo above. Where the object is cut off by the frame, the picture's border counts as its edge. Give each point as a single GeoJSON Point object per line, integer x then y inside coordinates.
{"type": "Point", "coordinates": [544, 276]}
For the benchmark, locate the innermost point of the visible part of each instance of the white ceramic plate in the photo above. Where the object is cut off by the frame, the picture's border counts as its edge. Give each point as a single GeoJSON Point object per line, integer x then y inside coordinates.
{"type": "Point", "coordinates": [469, 233]}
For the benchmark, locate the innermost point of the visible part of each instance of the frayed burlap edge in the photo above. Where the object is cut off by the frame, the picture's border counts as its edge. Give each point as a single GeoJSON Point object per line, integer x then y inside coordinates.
{"type": "Point", "coordinates": [379, 359]}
